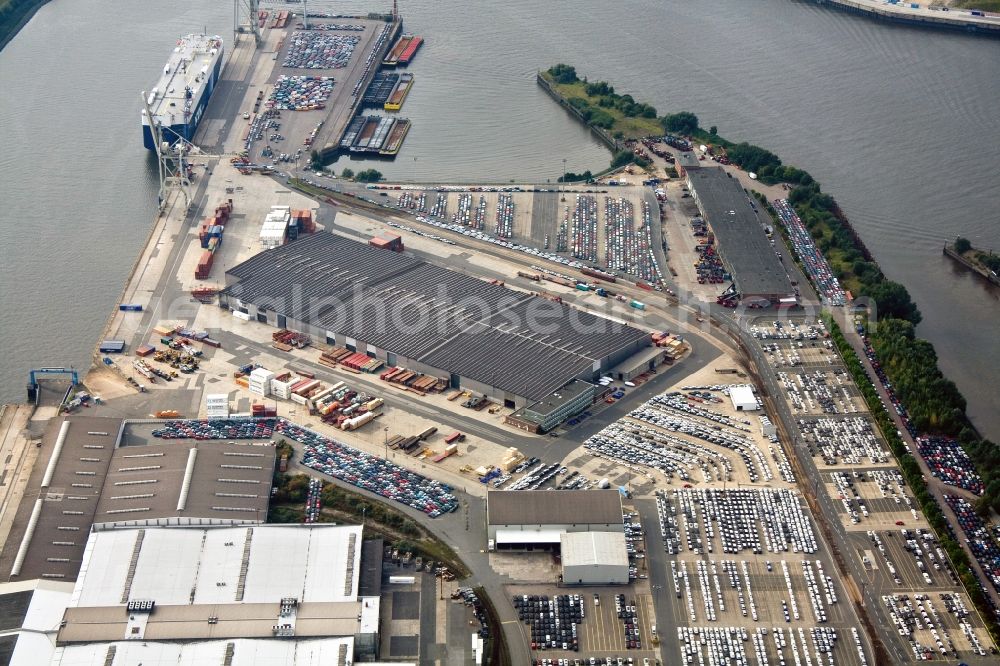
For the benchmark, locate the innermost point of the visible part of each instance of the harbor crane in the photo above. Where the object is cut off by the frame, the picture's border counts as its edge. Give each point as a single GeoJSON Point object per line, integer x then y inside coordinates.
{"type": "Point", "coordinates": [176, 159]}
{"type": "Point", "coordinates": [33, 379]}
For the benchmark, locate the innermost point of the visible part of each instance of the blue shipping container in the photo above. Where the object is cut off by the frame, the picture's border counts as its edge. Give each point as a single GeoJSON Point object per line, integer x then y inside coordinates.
{"type": "Point", "coordinates": [130, 307]}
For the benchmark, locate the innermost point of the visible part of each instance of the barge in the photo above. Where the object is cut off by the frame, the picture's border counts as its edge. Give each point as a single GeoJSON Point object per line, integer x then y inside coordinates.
{"type": "Point", "coordinates": [380, 89]}
{"type": "Point", "coordinates": [398, 96]}
{"type": "Point", "coordinates": [395, 140]}
{"type": "Point", "coordinates": [410, 50]}
{"type": "Point", "coordinates": [392, 58]}
{"type": "Point", "coordinates": [179, 98]}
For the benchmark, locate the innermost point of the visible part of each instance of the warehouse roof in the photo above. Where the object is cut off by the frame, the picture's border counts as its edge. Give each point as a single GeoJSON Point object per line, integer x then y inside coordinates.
{"type": "Point", "coordinates": [513, 341]}
{"type": "Point", "coordinates": [245, 652]}
{"type": "Point", "coordinates": [67, 504]}
{"type": "Point", "coordinates": [219, 565]}
{"type": "Point", "coordinates": [743, 397]}
{"type": "Point", "coordinates": [30, 612]}
{"type": "Point", "coordinates": [229, 482]}
{"type": "Point", "coordinates": [565, 507]}
{"type": "Point", "coordinates": [742, 241]}
{"type": "Point", "coordinates": [188, 623]}
{"type": "Point", "coordinates": [587, 549]}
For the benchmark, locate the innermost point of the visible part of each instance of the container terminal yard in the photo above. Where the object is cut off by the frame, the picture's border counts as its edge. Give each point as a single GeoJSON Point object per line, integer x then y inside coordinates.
{"type": "Point", "coordinates": [456, 351]}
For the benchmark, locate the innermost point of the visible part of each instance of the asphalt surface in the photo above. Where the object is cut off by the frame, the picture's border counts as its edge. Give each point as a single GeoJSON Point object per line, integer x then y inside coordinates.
{"type": "Point", "coordinates": [464, 529]}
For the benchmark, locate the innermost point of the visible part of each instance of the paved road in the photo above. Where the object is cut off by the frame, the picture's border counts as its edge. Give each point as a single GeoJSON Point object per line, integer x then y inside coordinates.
{"type": "Point", "coordinates": [936, 487]}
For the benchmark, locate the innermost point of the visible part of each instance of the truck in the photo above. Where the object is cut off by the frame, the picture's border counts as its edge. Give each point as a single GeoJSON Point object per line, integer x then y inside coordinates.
{"type": "Point", "coordinates": [402, 580]}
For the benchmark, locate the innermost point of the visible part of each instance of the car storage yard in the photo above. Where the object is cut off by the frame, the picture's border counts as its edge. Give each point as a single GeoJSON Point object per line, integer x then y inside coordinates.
{"type": "Point", "coordinates": [573, 221]}
{"type": "Point", "coordinates": [888, 541]}
{"type": "Point", "coordinates": [601, 632]}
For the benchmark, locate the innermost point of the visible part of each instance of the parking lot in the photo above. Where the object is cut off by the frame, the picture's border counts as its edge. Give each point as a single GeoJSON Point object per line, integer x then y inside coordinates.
{"type": "Point", "coordinates": [614, 227]}
{"type": "Point", "coordinates": [601, 632]}
{"type": "Point", "coordinates": [937, 625]}
{"type": "Point", "coordinates": [844, 441]}
{"type": "Point", "coordinates": [813, 392]}
{"type": "Point", "coordinates": [871, 499]}
{"type": "Point", "coordinates": [680, 210]}
{"type": "Point", "coordinates": [691, 436]}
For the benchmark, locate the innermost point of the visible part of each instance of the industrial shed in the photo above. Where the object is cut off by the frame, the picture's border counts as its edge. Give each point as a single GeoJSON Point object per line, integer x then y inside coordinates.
{"type": "Point", "coordinates": [555, 408]}
{"type": "Point", "coordinates": [266, 589]}
{"type": "Point", "coordinates": [743, 398]}
{"type": "Point", "coordinates": [509, 345]}
{"type": "Point", "coordinates": [594, 558]}
{"type": "Point", "coordinates": [537, 519]}
{"type": "Point", "coordinates": [201, 483]}
{"type": "Point", "coordinates": [744, 247]}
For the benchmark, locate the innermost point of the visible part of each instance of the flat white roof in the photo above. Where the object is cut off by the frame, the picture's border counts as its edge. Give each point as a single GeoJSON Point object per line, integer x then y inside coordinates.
{"type": "Point", "coordinates": [742, 397]}
{"type": "Point", "coordinates": [37, 639]}
{"type": "Point", "coordinates": [167, 568]}
{"type": "Point", "coordinates": [104, 568]}
{"type": "Point", "coordinates": [220, 563]}
{"type": "Point", "coordinates": [528, 536]}
{"type": "Point", "coordinates": [246, 652]}
{"type": "Point", "coordinates": [369, 615]}
{"type": "Point", "coordinates": [582, 549]}
{"type": "Point", "coordinates": [310, 563]}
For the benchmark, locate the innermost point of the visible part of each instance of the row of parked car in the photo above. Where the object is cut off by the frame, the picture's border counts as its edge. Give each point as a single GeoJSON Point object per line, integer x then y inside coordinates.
{"type": "Point", "coordinates": [744, 513]}
{"type": "Point", "coordinates": [984, 540]}
{"type": "Point", "coordinates": [552, 622]}
{"type": "Point", "coordinates": [369, 472]}
{"type": "Point", "coordinates": [629, 616]}
{"type": "Point", "coordinates": [819, 391]}
{"type": "Point", "coordinates": [949, 462]}
{"type": "Point", "coordinates": [216, 429]}
{"type": "Point", "coordinates": [812, 258]}
{"type": "Point", "coordinates": [846, 441]}
{"type": "Point", "coordinates": [471, 599]}
{"type": "Point", "coordinates": [725, 645]}
{"type": "Point", "coordinates": [583, 232]}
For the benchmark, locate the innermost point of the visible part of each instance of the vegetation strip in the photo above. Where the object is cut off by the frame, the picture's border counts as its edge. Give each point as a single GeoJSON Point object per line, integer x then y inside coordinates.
{"type": "Point", "coordinates": [933, 404]}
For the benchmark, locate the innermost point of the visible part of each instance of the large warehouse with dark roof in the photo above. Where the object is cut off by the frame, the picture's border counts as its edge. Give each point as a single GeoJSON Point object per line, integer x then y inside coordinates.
{"type": "Point", "coordinates": [509, 345]}
{"type": "Point", "coordinates": [743, 244]}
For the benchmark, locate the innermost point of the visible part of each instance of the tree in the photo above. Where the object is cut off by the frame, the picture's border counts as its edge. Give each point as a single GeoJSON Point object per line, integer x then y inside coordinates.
{"type": "Point", "coordinates": [369, 176]}
{"type": "Point", "coordinates": [600, 88]}
{"type": "Point", "coordinates": [622, 158]}
{"type": "Point", "coordinates": [962, 245]}
{"type": "Point", "coordinates": [563, 73]}
{"type": "Point", "coordinates": [315, 160]}
{"type": "Point", "coordinates": [991, 261]}
{"type": "Point", "coordinates": [753, 158]}
{"type": "Point", "coordinates": [893, 301]}
{"type": "Point", "coordinates": [347, 174]}
{"type": "Point", "coordinates": [713, 130]}
{"type": "Point", "coordinates": [683, 122]}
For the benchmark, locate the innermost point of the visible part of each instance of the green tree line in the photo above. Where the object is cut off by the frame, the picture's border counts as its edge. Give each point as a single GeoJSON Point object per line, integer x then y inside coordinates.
{"type": "Point", "coordinates": [910, 469]}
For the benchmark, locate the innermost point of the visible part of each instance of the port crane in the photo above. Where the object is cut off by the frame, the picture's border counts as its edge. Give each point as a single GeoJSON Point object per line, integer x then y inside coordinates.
{"type": "Point", "coordinates": [33, 379]}
{"type": "Point", "coordinates": [176, 160]}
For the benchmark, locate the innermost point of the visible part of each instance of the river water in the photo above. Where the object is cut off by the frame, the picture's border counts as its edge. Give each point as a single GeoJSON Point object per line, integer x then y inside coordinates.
{"type": "Point", "coordinates": [898, 124]}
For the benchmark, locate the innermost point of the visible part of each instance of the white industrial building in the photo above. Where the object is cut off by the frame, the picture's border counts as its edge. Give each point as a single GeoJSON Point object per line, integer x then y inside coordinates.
{"type": "Point", "coordinates": [236, 652]}
{"type": "Point", "coordinates": [743, 398]}
{"type": "Point", "coordinates": [537, 519]}
{"type": "Point", "coordinates": [286, 594]}
{"type": "Point", "coordinates": [31, 612]}
{"type": "Point", "coordinates": [594, 558]}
